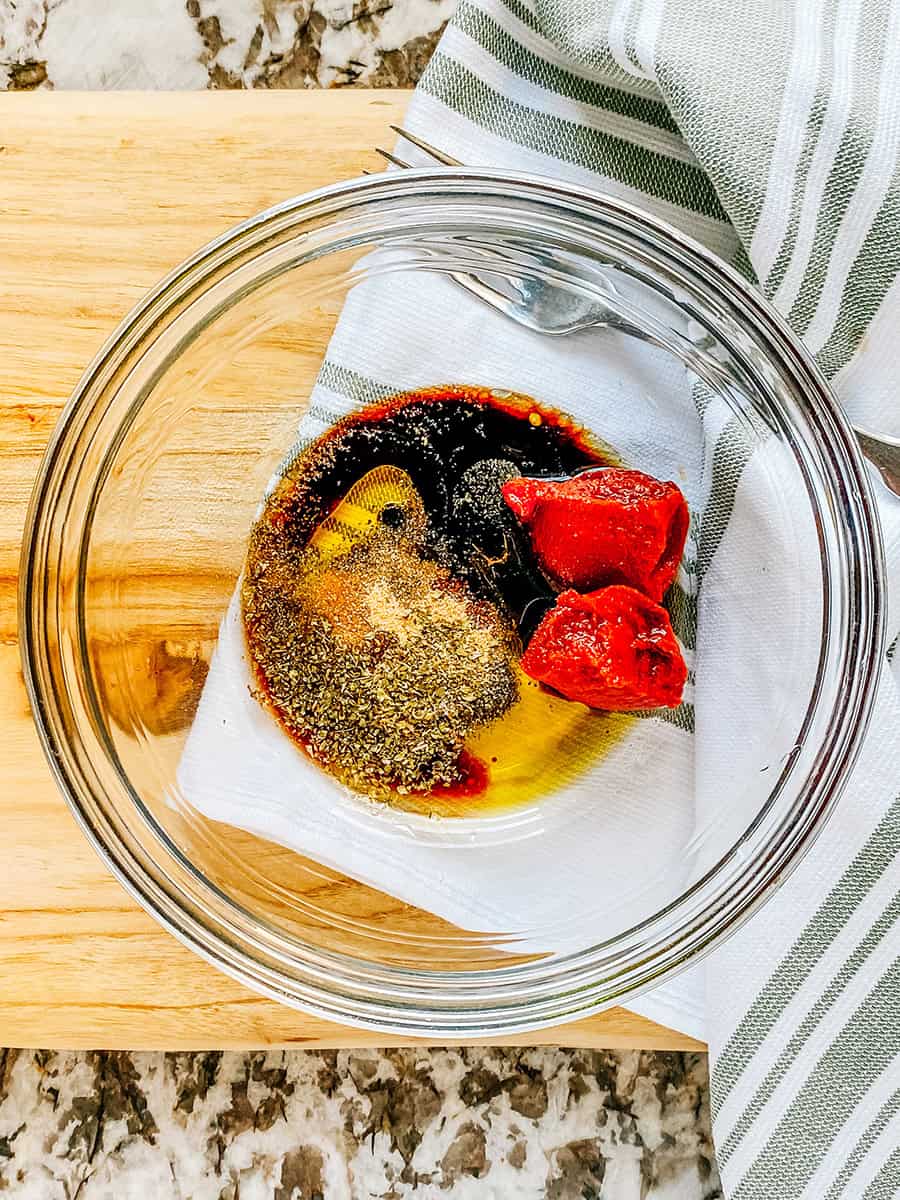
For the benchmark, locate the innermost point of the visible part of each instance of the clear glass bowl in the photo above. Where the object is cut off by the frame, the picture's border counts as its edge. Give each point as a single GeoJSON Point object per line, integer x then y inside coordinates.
{"type": "Point", "coordinates": [137, 533]}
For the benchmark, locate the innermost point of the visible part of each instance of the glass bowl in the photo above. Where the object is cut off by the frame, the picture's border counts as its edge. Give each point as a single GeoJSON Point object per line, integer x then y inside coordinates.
{"type": "Point", "coordinates": [472, 925]}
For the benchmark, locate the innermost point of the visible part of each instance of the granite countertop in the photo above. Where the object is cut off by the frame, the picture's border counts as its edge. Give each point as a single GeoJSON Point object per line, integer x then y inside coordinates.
{"type": "Point", "coordinates": [342, 1125]}
{"type": "Point", "coordinates": [217, 43]}
{"type": "Point", "coordinates": [568, 1125]}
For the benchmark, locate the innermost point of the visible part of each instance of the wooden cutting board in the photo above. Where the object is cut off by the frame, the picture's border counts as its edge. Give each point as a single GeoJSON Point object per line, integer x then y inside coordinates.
{"type": "Point", "coordinates": [100, 195]}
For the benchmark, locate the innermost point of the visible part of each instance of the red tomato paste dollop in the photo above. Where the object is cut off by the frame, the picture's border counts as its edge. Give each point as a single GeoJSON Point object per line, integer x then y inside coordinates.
{"type": "Point", "coordinates": [612, 649]}
{"type": "Point", "coordinates": [606, 525]}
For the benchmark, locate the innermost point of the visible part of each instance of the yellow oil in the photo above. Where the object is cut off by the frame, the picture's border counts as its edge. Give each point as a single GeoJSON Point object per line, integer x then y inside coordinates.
{"type": "Point", "coordinates": [540, 745]}
{"type": "Point", "coordinates": [355, 516]}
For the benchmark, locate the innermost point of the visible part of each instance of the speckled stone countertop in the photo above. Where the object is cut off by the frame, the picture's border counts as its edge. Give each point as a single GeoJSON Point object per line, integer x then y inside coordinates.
{"type": "Point", "coordinates": [217, 43]}
{"type": "Point", "coordinates": [568, 1125]}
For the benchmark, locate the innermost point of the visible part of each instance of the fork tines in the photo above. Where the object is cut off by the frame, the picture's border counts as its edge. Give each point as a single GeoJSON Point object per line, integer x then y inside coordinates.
{"type": "Point", "coordinates": [432, 151]}
{"type": "Point", "coordinates": [392, 158]}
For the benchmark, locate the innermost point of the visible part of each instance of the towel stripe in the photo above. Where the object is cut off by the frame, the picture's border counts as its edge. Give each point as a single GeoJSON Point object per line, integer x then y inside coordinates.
{"type": "Point", "coordinates": [575, 31]}
{"type": "Point", "coordinates": [868, 283]}
{"type": "Point", "coordinates": [819, 1011]}
{"type": "Point", "coordinates": [839, 1081]}
{"type": "Point", "coordinates": [732, 453]}
{"type": "Point", "coordinates": [541, 68]}
{"type": "Point", "coordinates": [856, 142]}
{"type": "Point", "coordinates": [876, 856]}
{"type": "Point", "coordinates": [842, 30]}
{"type": "Point", "coordinates": [361, 389]}
{"type": "Point", "coordinates": [808, 142]}
{"type": "Point", "coordinates": [453, 84]}
{"type": "Point", "coordinates": [510, 68]}
{"type": "Point", "coordinates": [886, 1184]}
{"type": "Point", "coordinates": [796, 102]}
{"type": "Point", "coordinates": [888, 1110]}
{"type": "Point", "coordinates": [876, 181]}
{"type": "Point", "coordinates": [622, 17]}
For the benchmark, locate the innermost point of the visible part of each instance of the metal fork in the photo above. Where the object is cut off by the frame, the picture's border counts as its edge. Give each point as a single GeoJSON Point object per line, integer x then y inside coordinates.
{"type": "Point", "coordinates": [556, 311]}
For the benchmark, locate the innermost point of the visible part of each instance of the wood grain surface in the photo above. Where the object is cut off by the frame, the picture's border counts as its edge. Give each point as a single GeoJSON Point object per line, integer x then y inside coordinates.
{"type": "Point", "coordinates": [100, 195]}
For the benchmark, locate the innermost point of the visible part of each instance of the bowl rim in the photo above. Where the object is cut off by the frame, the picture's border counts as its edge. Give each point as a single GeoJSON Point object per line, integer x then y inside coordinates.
{"type": "Point", "coordinates": [401, 1000]}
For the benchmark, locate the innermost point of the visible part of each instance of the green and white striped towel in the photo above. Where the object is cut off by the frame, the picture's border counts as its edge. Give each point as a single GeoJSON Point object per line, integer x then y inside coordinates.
{"type": "Point", "coordinates": [769, 130]}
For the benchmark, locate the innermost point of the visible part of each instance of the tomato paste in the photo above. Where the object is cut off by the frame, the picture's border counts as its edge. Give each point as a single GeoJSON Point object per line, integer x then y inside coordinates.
{"type": "Point", "coordinates": [602, 526]}
{"type": "Point", "coordinates": [612, 649]}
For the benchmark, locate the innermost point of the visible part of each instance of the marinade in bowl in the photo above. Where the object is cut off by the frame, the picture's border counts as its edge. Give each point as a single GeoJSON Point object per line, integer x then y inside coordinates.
{"type": "Point", "coordinates": [646, 845]}
{"type": "Point", "coordinates": [392, 586]}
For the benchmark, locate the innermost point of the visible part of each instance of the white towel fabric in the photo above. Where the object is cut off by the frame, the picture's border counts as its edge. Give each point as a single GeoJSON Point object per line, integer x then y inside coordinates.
{"type": "Point", "coordinates": [770, 131]}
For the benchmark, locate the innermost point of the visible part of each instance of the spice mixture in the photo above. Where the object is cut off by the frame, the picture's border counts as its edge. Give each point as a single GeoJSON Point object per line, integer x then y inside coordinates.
{"type": "Point", "coordinates": [401, 595]}
{"type": "Point", "coordinates": [382, 664]}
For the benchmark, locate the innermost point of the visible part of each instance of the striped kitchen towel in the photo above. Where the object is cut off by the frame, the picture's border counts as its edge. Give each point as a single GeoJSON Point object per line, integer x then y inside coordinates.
{"type": "Point", "coordinates": [769, 130]}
